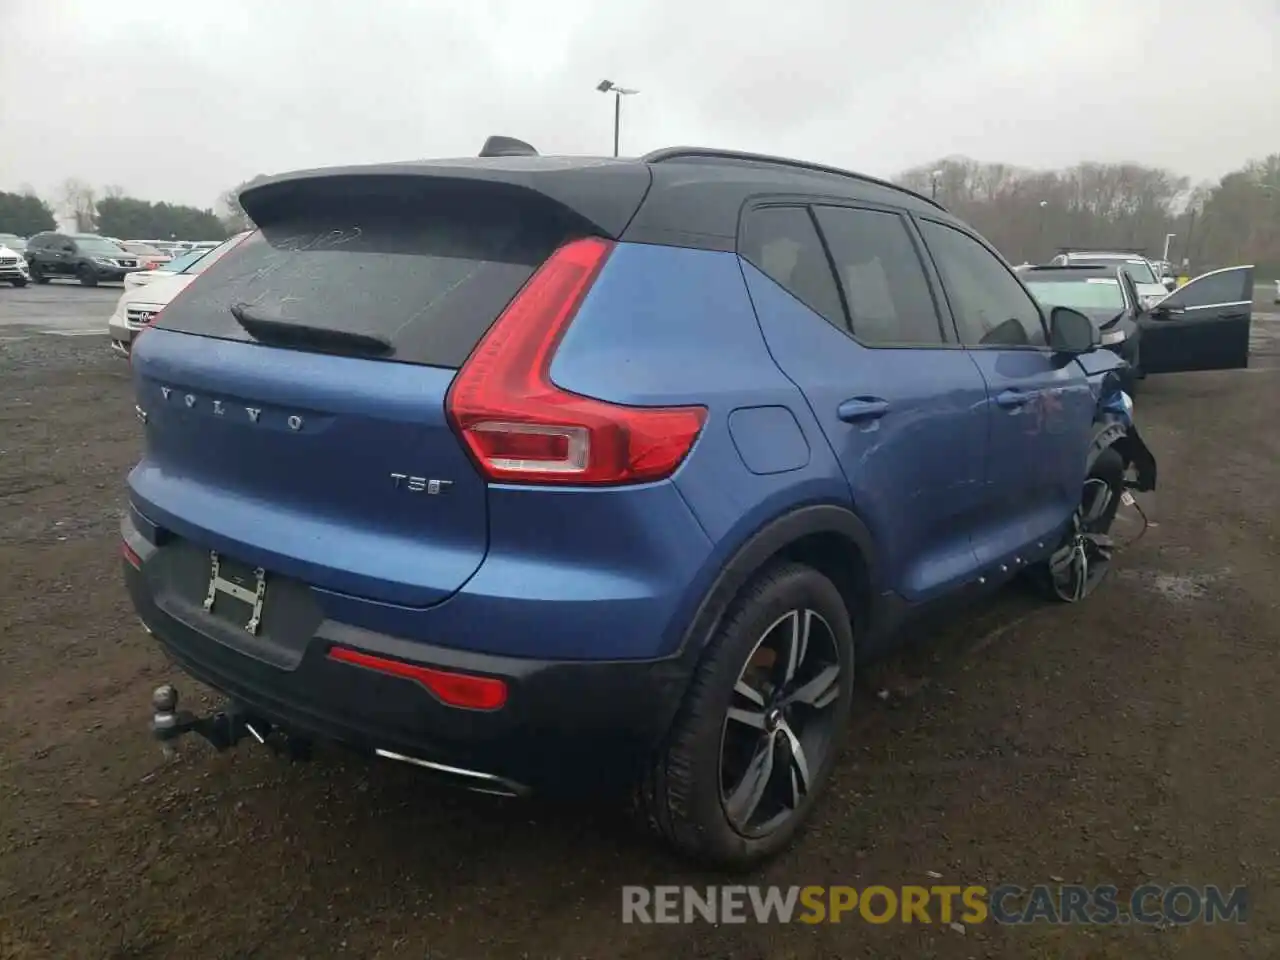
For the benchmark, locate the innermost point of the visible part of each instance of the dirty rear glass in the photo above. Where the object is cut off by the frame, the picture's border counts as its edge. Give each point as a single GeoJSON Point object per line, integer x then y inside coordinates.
{"type": "Point", "coordinates": [426, 272]}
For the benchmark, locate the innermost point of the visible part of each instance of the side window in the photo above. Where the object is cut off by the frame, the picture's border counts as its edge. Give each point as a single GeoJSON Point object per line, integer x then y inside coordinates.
{"type": "Point", "coordinates": [783, 243]}
{"type": "Point", "coordinates": [1226, 287]}
{"type": "Point", "coordinates": [990, 306]}
{"type": "Point", "coordinates": [884, 282]}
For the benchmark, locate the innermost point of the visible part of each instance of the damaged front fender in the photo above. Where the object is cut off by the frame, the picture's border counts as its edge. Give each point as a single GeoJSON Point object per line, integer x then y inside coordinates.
{"type": "Point", "coordinates": [1118, 431]}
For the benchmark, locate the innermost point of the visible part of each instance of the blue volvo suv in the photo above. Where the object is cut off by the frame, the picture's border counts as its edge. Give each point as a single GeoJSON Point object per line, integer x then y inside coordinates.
{"type": "Point", "coordinates": [554, 474]}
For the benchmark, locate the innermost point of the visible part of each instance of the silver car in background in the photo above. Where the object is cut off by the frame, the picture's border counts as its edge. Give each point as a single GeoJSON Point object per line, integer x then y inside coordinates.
{"type": "Point", "coordinates": [1151, 289]}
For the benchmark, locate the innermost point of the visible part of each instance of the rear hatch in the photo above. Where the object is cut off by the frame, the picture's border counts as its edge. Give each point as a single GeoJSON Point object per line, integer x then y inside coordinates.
{"type": "Point", "coordinates": [295, 392]}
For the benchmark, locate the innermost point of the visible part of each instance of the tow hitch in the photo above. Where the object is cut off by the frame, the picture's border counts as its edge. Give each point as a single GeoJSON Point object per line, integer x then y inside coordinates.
{"type": "Point", "coordinates": [223, 729]}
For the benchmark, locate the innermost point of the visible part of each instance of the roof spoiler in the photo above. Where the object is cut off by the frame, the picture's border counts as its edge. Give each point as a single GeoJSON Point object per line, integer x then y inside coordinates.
{"type": "Point", "coordinates": [604, 194]}
{"type": "Point", "coordinates": [499, 146]}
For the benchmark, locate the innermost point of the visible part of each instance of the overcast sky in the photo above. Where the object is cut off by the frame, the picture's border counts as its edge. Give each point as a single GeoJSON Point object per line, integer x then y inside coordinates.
{"type": "Point", "coordinates": [180, 100]}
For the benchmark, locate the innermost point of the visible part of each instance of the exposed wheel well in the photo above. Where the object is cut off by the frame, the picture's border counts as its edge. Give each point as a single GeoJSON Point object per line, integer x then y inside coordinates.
{"type": "Point", "coordinates": [840, 561]}
{"type": "Point", "coordinates": [828, 537]}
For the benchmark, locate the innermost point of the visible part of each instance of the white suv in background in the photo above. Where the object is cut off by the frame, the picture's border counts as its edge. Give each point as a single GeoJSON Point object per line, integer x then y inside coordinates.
{"type": "Point", "coordinates": [140, 302]}
{"type": "Point", "coordinates": [1150, 288]}
{"type": "Point", "coordinates": [13, 268]}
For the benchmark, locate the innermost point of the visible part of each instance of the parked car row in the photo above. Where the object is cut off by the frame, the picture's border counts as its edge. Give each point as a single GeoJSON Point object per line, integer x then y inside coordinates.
{"type": "Point", "coordinates": [88, 257]}
{"type": "Point", "coordinates": [147, 293]}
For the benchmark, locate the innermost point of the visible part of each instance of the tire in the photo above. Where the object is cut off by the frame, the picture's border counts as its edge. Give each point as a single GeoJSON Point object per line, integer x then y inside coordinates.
{"type": "Point", "coordinates": [20, 282]}
{"type": "Point", "coordinates": [694, 782]}
{"type": "Point", "coordinates": [1094, 519]}
{"type": "Point", "coordinates": [86, 276]}
{"type": "Point", "coordinates": [38, 275]}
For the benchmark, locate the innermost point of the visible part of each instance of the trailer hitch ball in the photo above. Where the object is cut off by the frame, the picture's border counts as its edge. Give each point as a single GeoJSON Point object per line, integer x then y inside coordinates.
{"type": "Point", "coordinates": [164, 717]}
{"type": "Point", "coordinates": [165, 698]}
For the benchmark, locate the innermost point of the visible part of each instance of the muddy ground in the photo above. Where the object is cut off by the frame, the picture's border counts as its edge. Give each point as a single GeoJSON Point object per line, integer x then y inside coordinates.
{"type": "Point", "coordinates": [1125, 740]}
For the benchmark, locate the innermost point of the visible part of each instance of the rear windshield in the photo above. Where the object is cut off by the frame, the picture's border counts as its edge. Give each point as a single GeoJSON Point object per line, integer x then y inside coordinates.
{"type": "Point", "coordinates": [428, 273]}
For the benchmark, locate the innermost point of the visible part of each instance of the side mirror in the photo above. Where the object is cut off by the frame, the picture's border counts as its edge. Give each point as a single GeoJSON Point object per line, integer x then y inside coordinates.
{"type": "Point", "coordinates": [1170, 284]}
{"type": "Point", "coordinates": [1071, 332]}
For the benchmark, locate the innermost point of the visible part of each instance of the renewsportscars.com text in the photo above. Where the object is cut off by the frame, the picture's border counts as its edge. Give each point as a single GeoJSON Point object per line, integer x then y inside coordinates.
{"type": "Point", "coordinates": [1005, 904]}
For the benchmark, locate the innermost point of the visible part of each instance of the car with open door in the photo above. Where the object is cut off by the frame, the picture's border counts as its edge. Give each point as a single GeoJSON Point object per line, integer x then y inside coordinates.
{"type": "Point", "coordinates": [1203, 325]}
{"type": "Point", "coordinates": [1105, 295]}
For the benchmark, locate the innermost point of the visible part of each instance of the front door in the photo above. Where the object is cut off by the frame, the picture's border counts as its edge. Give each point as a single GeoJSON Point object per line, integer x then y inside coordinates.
{"type": "Point", "coordinates": [1203, 325]}
{"type": "Point", "coordinates": [1039, 405]}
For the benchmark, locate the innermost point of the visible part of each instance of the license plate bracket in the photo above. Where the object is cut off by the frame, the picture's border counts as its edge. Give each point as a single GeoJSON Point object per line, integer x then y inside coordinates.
{"type": "Point", "coordinates": [254, 596]}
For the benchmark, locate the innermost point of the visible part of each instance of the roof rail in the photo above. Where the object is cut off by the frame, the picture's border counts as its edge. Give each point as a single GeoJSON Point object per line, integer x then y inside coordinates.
{"type": "Point", "coordinates": [1082, 267]}
{"type": "Point", "coordinates": [500, 146]}
{"type": "Point", "coordinates": [710, 153]}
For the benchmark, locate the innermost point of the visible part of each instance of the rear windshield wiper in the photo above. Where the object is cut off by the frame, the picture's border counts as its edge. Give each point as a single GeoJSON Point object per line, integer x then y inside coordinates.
{"type": "Point", "coordinates": [286, 333]}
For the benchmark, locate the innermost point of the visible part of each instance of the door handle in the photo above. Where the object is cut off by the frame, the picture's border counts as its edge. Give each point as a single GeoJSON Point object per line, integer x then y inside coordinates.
{"type": "Point", "coordinates": [862, 408]}
{"type": "Point", "coordinates": [1012, 399]}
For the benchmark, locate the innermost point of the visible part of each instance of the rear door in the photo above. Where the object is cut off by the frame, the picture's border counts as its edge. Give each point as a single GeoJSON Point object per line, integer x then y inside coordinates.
{"type": "Point", "coordinates": [901, 407]}
{"type": "Point", "coordinates": [295, 390]}
{"type": "Point", "coordinates": [1203, 325]}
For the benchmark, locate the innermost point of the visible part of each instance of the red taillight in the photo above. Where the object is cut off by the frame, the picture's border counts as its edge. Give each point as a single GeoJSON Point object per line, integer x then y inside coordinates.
{"type": "Point", "coordinates": [521, 428]}
{"type": "Point", "coordinates": [454, 689]}
{"type": "Point", "coordinates": [130, 555]}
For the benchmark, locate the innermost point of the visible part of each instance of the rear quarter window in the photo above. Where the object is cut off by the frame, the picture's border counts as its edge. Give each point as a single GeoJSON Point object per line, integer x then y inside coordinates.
{"type": "Point", "coordinates": [428, 271]}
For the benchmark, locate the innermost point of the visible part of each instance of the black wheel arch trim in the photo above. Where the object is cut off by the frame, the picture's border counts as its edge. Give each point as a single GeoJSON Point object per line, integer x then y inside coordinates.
{"type": "Point", "coordinates": [767, 541]}
{"type": "Point", "coordinates": [1113, 432]}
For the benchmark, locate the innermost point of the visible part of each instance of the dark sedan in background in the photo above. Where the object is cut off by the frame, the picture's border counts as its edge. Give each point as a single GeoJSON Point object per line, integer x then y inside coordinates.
{"type": "Point", "coordinates": [1098, 292]}
{"type": "Point", "coordinates": [1203, 325]}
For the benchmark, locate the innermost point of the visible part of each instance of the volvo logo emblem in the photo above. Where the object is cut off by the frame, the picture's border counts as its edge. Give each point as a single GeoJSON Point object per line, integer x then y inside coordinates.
{"type": "Point", "coordinates": [220, 408]}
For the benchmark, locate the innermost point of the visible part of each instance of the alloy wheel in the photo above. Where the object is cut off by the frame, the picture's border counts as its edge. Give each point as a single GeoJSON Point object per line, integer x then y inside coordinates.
{"type": "Point", "coordinates": [1079, 565]}
{"type": "Point", "coordinates": [780, 724]}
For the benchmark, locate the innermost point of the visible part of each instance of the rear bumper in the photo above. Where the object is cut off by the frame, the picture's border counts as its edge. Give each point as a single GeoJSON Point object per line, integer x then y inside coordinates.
{"type": "Point", "coordinates": [566, 725]}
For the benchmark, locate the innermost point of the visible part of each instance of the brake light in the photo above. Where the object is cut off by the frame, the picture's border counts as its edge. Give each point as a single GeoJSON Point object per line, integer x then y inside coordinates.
{"type": "Point", "coordinates": [521, 428]}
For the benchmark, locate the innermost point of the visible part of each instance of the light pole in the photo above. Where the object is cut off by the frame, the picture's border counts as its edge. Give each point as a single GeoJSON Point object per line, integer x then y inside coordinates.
{"type": "Point", "coordinates": [1044, 208]}
{"type": "Point", "coordinates": [1168, 238]}
{"type": "Point", "coordinates": [933, 183]}
{"type": "Point", "coordinates": [608, 86]}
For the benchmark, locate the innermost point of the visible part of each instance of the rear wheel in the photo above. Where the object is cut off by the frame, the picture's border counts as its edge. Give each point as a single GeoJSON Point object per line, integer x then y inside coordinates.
{"type": "Point", "coordinates": [760, 730]}
{"type": "Point", "coordinates": [86, 275]}
{"type": "Point", "coordinates": [1083, 559]}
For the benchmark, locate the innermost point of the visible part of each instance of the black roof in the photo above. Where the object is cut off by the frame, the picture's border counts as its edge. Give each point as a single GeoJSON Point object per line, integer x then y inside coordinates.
{"type": "Point", "coordinates": [682, 196]}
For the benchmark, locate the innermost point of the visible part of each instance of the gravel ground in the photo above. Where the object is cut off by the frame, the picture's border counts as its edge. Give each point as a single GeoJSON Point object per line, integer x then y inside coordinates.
{"type": "Point", "coordinates": [1121, 741]}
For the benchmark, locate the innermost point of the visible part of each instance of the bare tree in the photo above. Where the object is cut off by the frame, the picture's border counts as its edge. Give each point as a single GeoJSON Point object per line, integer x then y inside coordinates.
{"type": "Point", "coordinates": [80, 203]}
{"type": "Point", "coordinates": [229, 210]}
